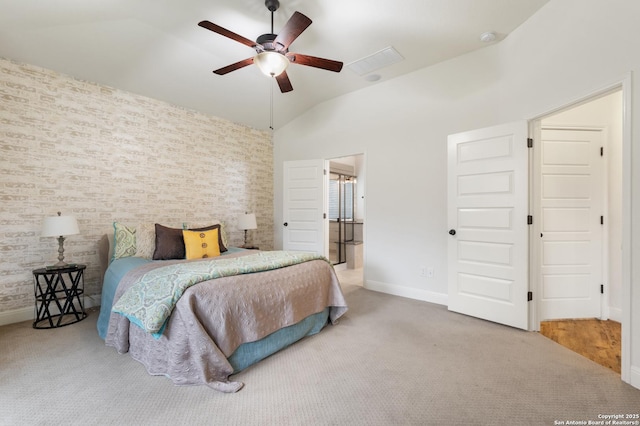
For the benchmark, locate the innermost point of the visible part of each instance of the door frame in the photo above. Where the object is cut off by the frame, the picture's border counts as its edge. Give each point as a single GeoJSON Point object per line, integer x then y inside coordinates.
{"type": "Point", "coordinates": [624, 85]}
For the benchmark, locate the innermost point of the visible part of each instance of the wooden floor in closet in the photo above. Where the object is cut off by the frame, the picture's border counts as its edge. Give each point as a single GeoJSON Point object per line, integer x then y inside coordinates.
{"type": "Point", "coordinates": [593, 338]}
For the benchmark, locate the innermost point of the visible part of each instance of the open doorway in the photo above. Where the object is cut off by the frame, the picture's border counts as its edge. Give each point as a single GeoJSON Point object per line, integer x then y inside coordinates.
{"type": "Point", "coordinates": [346, 216]}
{"type": "Point", "coordinates": [489, 170]}
{"type": "Point", "coordinates": [577, 239]}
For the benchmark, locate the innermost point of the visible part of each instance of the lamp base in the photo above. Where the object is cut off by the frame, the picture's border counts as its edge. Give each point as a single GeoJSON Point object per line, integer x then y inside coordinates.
{"type": "Point", "coordinates": [61, 263]}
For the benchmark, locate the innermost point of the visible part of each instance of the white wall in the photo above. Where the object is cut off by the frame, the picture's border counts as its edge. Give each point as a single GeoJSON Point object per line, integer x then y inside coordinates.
{"type": "Point", "coordinates": [606, 112]}
{"type": "Point", "coordinates": [566, 51]}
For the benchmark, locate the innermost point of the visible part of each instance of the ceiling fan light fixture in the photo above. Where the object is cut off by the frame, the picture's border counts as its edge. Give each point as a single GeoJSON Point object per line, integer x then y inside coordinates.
{"type": "Point", "coordinates": [271, 63]}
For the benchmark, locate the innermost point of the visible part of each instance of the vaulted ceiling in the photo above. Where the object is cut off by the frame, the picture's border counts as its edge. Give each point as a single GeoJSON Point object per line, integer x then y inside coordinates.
{"type": "Point", "coordinates": [155, 47]}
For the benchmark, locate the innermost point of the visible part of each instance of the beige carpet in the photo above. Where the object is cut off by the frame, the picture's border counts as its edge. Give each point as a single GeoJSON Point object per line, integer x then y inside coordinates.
{"type": "Point", "coordinates": [390, 361]}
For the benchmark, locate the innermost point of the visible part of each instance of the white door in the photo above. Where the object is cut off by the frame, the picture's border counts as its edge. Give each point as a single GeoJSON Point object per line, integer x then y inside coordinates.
{"type": "Point", "coordinates": [304, 210]}
{"type": "Point", "coordinates": [487, 215]}
{"type": "Point", "coordinates": [570, 192]}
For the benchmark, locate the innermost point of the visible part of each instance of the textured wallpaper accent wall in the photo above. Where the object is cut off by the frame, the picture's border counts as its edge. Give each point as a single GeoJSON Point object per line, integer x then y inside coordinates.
{"type": "Point", "coordinates": [105, 155]}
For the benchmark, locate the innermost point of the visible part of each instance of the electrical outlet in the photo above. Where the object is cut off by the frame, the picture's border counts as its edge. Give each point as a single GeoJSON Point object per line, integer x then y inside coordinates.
{"type": "Point", "coordinates": [423, 271]}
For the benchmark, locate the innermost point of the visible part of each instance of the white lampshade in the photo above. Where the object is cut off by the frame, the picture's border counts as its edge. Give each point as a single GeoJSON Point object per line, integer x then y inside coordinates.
{"type": "Point", "coordinates": [247, 221]}
{"type": "Point", "coordinates": [271, 63]}
{"type": "Point", "coordinates": [56, 226]}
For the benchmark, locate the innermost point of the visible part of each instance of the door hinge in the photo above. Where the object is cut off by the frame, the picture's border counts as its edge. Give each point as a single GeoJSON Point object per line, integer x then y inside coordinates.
{"type": "Point", "coordinates": [324, 215]}
{"type": "Point", "coordinates": [601, 288]}
{"type": "Point", "coordinates": [601, 220]}
{"type": "Point", "coordinates": [529, 143]}
{"type": "Point", "coordinates": [529, 220]}
{"type": "Point", "coordinates": [529, 296]}
{"type": "Point", "coordinates": [324, 172]}
{"type": "Point", "coordinates": [601, 151]}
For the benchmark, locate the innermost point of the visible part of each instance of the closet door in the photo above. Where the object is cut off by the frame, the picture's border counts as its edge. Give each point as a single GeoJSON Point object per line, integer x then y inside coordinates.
{"type": "Point", "coordinates": [570, 191]}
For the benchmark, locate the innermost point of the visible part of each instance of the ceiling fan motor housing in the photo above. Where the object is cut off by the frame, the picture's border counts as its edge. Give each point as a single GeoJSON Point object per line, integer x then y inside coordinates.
{"type": "Point", "coordinates": [266, 41]}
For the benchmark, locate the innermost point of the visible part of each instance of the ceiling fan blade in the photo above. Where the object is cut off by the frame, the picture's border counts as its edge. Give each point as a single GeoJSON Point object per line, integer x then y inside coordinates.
{"type": "Point", "coordinates": [284, 82]}
{"type": "Point", "coordinates": [292, 29]}
{"type": "Point", "coordinates": [312, 61]}
{"type": "Point", "coordinates": [233, 67]}
{"type": "Point", "coordinates": [225, 32]}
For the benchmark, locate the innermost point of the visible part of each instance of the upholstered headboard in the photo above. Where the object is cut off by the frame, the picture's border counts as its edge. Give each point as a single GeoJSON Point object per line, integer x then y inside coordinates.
{"type": "Point", "coordinates": [104, 249]}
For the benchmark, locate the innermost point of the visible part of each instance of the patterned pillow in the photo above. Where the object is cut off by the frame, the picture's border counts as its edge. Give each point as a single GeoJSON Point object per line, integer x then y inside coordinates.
{"type": "Point", "coordinates": [124, 241]}
{"type": "Point", "coordinates": [201, 244]}
{"type": "Point", "coordinates": [223, 236]}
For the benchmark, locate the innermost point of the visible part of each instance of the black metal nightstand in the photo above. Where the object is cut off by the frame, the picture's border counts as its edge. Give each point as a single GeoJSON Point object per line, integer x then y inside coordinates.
{"type": "Point", "coordinates": [64, 288]}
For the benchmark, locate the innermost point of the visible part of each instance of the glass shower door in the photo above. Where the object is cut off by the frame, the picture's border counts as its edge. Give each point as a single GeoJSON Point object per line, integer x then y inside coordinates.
{"type": "Point", "coordinates": [341, 215]}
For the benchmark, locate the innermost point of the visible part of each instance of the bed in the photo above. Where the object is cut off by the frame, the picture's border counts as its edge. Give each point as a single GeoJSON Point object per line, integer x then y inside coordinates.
{"type": "Point", "coordinates": [221, 324]}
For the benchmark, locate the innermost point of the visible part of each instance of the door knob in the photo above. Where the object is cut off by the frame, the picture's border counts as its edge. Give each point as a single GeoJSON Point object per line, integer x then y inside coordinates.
{"type": "Point", "coordinates": [286, 224]}
{"type": "Point", "coordinates": [452, 232]}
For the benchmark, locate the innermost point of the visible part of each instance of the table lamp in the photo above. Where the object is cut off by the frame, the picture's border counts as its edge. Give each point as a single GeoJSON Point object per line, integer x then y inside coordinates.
{"type": "Point", "coordinates": [59, 226]}
{"type": "Point", "coordinates": [245, 222]}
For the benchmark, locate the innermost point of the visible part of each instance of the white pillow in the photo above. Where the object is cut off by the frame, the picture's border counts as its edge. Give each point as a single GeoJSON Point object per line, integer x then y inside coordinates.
{"type": "Point", "coordinates": [145, 240]}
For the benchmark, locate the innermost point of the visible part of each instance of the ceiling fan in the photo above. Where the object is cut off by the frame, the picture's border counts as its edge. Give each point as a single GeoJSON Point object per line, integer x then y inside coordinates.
{"type": "Point", "coordinates": [273, 54]}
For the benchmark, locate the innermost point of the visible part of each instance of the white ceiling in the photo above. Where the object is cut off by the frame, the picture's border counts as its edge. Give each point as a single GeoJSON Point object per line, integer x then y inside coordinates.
{"type": "Point", "coordinates": [155, 47]}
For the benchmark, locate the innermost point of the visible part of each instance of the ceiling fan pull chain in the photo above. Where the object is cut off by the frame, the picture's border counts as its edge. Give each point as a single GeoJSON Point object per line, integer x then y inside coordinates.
{"type": "Point", "coordinates": [271, 106]}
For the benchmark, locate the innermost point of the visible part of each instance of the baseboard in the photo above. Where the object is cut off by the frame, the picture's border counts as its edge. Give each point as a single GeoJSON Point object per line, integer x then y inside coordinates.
{"type": "Point", "coordinates": [634, 377]}
{"type": "Point", "coordinates": [17, 315]}
{"type": "Point", "coordinates": [409, 292]}
{"type": "Point", "coordinates": [27, 313]}
{"type": "Point", "coordinates": [340, 267]}
{"type": "Point", "coordinates": [615, 314]}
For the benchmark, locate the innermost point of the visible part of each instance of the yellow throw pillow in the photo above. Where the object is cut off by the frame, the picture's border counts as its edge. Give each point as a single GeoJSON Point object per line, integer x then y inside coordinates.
{"type": "Point", "coordinates": [201, 244]}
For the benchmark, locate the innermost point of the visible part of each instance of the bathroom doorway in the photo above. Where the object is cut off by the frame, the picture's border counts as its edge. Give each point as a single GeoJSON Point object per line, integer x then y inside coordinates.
{"type": "Point", "coordinates": [346, 211]}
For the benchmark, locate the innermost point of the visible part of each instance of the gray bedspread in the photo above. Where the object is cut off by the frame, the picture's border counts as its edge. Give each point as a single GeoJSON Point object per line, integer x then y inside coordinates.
{"type": "Point", "coordinates": [214, 317]}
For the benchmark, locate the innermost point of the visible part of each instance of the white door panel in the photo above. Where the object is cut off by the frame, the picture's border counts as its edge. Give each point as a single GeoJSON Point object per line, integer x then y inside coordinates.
{"type": "Point", "coordinates": [564, 219]}
{"type": "Point", "coordinates": [304, 227]}
{"type": "Point", "coordinates": [570, 199]}
{"type": "Point", "coordinates": [487, 209]}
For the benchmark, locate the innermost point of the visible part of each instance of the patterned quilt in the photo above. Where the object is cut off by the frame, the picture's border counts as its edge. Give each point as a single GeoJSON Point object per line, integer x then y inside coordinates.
{"type": "Point", "coordinates": [151, 299]}
{"type": "Point", "coordinates": [212, 319]}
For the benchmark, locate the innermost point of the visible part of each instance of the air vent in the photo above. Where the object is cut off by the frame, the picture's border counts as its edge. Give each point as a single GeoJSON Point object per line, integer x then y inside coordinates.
{"type": "Point", "coordinates": [378, 60]}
